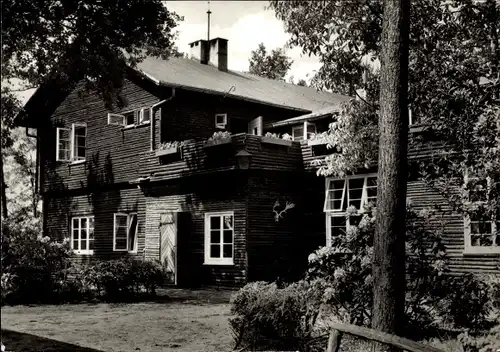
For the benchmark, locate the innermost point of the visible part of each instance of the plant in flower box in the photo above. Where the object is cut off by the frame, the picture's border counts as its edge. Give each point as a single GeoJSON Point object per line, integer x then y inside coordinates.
{"type": "Point", "coordinates": [221, 137]}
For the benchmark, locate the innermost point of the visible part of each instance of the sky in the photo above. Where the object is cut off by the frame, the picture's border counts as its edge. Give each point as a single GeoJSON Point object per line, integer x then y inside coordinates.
{"type": "Point", "coordinates": [244, 24]}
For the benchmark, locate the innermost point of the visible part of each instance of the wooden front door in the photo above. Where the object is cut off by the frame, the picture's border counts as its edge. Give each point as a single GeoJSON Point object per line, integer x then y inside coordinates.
{"type": "Point", "coordinates": [168, 245]}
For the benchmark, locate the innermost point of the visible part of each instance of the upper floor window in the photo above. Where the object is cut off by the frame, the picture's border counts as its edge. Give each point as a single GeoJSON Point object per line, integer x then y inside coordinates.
{"type": "Point", "coordinates": [131, 118]}
{"type": "Point", "coordinates": [481, 225]}
{"type": "Point", "coordinates": [219, 238]}
{"type": "Point", "coordinates": [82, 234]}
{"type": "Point", "coordinates": [303, 132]}
{"type": "Point", "coordinates": [145, 115]}
{"type": "Point", "coordinates": [221, 121]}
{"type": "Point", "coordinates": [71, 143]}
{"type": "Point", "coordinates": [125, 232]}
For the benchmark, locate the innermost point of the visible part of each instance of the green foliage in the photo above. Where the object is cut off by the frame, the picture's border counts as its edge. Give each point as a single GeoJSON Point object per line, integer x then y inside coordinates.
{"type": "Point", "coordinates": [433, 298]}
{"type": "Point", "coordinates": [271, 318]}
{"type": "Point", "coordinates": [273, 66]}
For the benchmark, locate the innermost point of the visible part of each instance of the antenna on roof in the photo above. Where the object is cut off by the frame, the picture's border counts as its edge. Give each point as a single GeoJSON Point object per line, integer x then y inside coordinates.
{"type": "Point", "coordinates": [208, 31]}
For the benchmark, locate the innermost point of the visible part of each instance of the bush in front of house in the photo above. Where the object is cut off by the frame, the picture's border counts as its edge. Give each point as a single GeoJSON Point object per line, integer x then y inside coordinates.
{"type": "Point", "coordinates": [272, 318]}
{"type": "Point", "coordinates": [434, 299]}
{"type": "Point", "coordinates": [123, 279]}
{"type": "Point", "coordinates": [32, 268]}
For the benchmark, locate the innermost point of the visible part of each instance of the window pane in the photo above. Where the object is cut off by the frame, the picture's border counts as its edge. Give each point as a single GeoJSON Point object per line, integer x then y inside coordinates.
{"type": "Point", "coordinates": [215, 251]}
{"type": "Point", "coordinates": [80, 131]}
{"type": "Point", "coordinates": [338, 225]}
{"type": "Point", "coordinates": [130, 117]}
{"type": "Point", "coordinates": [91, 223]}
{"type": "Point", "coordinates": [356, 183]}
{"type": "Point", "coordinates": [228, 222]}
{"type": "Point", "coordinates": [121, 243]}
{"type": "Point", "coordinates": [228, 236]}
{"type": "Point", "coordinates": [91, 233]}
{"type": "Point", "coordinates": [132, 232]}
{"type": "Point", "coordinates": [121, 220]}
{"type": "Point", "coordinates": [91, 244]}
{"type": "Point", "coordinates": [84, 223]}
{"type": "Point", "coordinates": [228, 251]}
{"type": "Point", "coordinates": [311, 128]}
{"type": "Point", "coordinates": [121, 232]}
{"type": "Point", "coordinates": [83, 234]}
{"type": "Point", "coordinates": [337, 194]}
{"type": "Point", "coordinates": [487, 241]}
{"type": "Point", "coordinates": [337, 184]}
{"type": "Point", "coordinates": [75, 245]}
{"type": "Point", "coordinates": [75, 223]}
{"type": "Point", "coordinates": [371, 192]}
{"type": "Point", "coordinates": [298, 133]}
{"type": "Point", "coordinates": [355, 220]}
{"type": "Point", "coordinates": [75, 234]}
{"type": "Point", "coordinates": [80, 153]}
{"type": "Point", "coordinates": [146, 115]}
{"type": "Point", "coordinates": [214, 222]}
{"type": "Point", "coordinates": [371, 181]}
{"type": "Point", "coordinates": [215, 236]}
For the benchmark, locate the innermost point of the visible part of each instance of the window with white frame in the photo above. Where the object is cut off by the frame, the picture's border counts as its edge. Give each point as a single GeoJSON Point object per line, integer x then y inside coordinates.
{"type": "Point", "coordinates": [145, 115]}
{"type": "Point", "coordinates": [481, 225]}
{"type": "Point", "coordinates": [340, 194]}
{"type": "Point", "coordinates": [304, 131]}
{"type": "Point", "coordinates": [219, 238]}
{"type": "Point", "coordinates": [71, 143]}
{"type": "Point", "coordinates": [125, 232]}
{"type": "Point", "coordinates": [125, 119]}
{"type": "Point", "coordinates": [82, 234]}
{"type": "Point", "coordinates": [220, 121]}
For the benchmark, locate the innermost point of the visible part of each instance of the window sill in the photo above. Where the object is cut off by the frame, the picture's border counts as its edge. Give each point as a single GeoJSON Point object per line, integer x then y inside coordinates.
{"type": "Point", "coordinates": [78, 162]}
{"type": "Point", "coordinates": [83, 252]}
{"type": "Point", "coordinates": [133, 127]}
{"type": "Point", "coordinates": [221, 263]}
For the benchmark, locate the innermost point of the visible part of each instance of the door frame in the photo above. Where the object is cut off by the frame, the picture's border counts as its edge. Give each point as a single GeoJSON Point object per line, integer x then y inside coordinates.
{"type": "Point", "coordinates": [174, 212]}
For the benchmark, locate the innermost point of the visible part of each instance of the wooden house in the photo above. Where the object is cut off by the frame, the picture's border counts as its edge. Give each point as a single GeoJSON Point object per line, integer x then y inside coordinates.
{"type": "Point", "coordinates": [151, 181]}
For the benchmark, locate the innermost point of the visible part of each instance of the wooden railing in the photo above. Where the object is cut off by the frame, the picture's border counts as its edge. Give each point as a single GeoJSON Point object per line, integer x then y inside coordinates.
{"type": "Point", "coordinates": [374, 335]}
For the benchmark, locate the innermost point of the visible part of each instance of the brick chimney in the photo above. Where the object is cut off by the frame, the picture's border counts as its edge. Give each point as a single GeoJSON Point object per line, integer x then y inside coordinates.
{"type": "Point", "coordinates": [212, 53]}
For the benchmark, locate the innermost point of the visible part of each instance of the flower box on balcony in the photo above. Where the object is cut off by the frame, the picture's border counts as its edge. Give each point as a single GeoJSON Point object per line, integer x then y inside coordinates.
{"type": "Point", "coordinates": [278, 141]}
{"type": "Point", "coordinates": [218, 141]}
{"type": "Point", "coordinates": [318, 141]}
{"type": "Point", "coordinates": [167, 151]}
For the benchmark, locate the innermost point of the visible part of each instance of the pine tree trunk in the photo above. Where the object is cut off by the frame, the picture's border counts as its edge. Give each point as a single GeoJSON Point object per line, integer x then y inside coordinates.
{"type": "Point", "coordinates": [389, 242]}
{"type": "Point", "coordinates": [3, 186]}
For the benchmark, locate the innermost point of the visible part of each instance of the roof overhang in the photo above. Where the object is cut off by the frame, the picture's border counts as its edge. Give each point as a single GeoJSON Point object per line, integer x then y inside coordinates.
{"type": "Point", "coordinates": [314, 116]}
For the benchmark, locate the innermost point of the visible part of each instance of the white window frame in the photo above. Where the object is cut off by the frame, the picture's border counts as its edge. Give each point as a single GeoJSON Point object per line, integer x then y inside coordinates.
{"type": "Point", "coordinates": [333, 213]}
{"type": "Point", "coordinates": [58, 139]}
{"type": "Point", "coordinates": [78, 250]}
{"type": "Point", "coordinates": [129, 221]}
{"type": "Point", "coordinates": [124, 118]}
{"type": "Point", "coordinates": [305, 134]}
{"type": "Point", "coordinates": [468, 247]}
{"type": "Point", "coordinates": [73, 149]}
{"type": "Point", "coordinates": [219, 124]}
{"type": "Point", "coordinates": [220, 260]}
{"type": "Point", "coordinates": [141, 116]}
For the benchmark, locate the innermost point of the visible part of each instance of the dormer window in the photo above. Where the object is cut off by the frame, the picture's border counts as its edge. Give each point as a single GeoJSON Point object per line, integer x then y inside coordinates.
{"type": "Point", "coordinates": [221, 121]}
{"type": "Point", "coordinates": [303, 132]}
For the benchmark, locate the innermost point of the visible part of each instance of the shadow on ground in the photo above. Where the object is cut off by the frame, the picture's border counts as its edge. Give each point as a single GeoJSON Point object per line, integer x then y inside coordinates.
{"type": "Point", "coordinates": [21, 342]}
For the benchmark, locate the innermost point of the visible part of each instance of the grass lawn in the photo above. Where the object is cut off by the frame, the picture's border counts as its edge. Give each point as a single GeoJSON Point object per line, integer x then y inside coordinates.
{"type": "Point", "coordinates": [181, 321]}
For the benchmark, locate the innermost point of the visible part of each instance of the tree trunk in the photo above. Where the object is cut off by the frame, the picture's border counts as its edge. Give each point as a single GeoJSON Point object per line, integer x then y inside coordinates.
{"type": "Point", "coordinates": [389, 242]}
{"type": "Point", "coordinates": [3, 186]}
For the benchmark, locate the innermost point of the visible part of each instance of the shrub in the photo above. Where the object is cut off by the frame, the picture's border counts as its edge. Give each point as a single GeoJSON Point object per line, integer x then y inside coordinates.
{"type": "Point", "coordinates": [433, 298]}
{"type": "Point", "coordinates": [33, 268]}
{"type": "Point", "coordinates": [273, 318]}
{"type": "Point", "coordinates": [123, 279]}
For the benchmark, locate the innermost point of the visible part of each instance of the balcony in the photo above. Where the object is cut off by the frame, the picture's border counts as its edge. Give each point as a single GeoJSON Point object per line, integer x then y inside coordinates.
{"type": "Point", "coordinates": [237, 152]}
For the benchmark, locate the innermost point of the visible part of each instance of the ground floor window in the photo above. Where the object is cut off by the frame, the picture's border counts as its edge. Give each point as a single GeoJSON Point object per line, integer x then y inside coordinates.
{"type": "Point", "coordinates": [219, 238]}
{"type": "Point", "coordinates": [356, 192]}
{"type": "Point", "coordinates": [82, 234]}
{"type": "Point", "coordinates": [125, 232]}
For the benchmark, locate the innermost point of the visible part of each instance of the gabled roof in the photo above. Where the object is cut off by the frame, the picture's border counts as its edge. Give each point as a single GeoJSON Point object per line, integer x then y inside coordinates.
{"type": "Point", "coordinates": [190, 74]}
